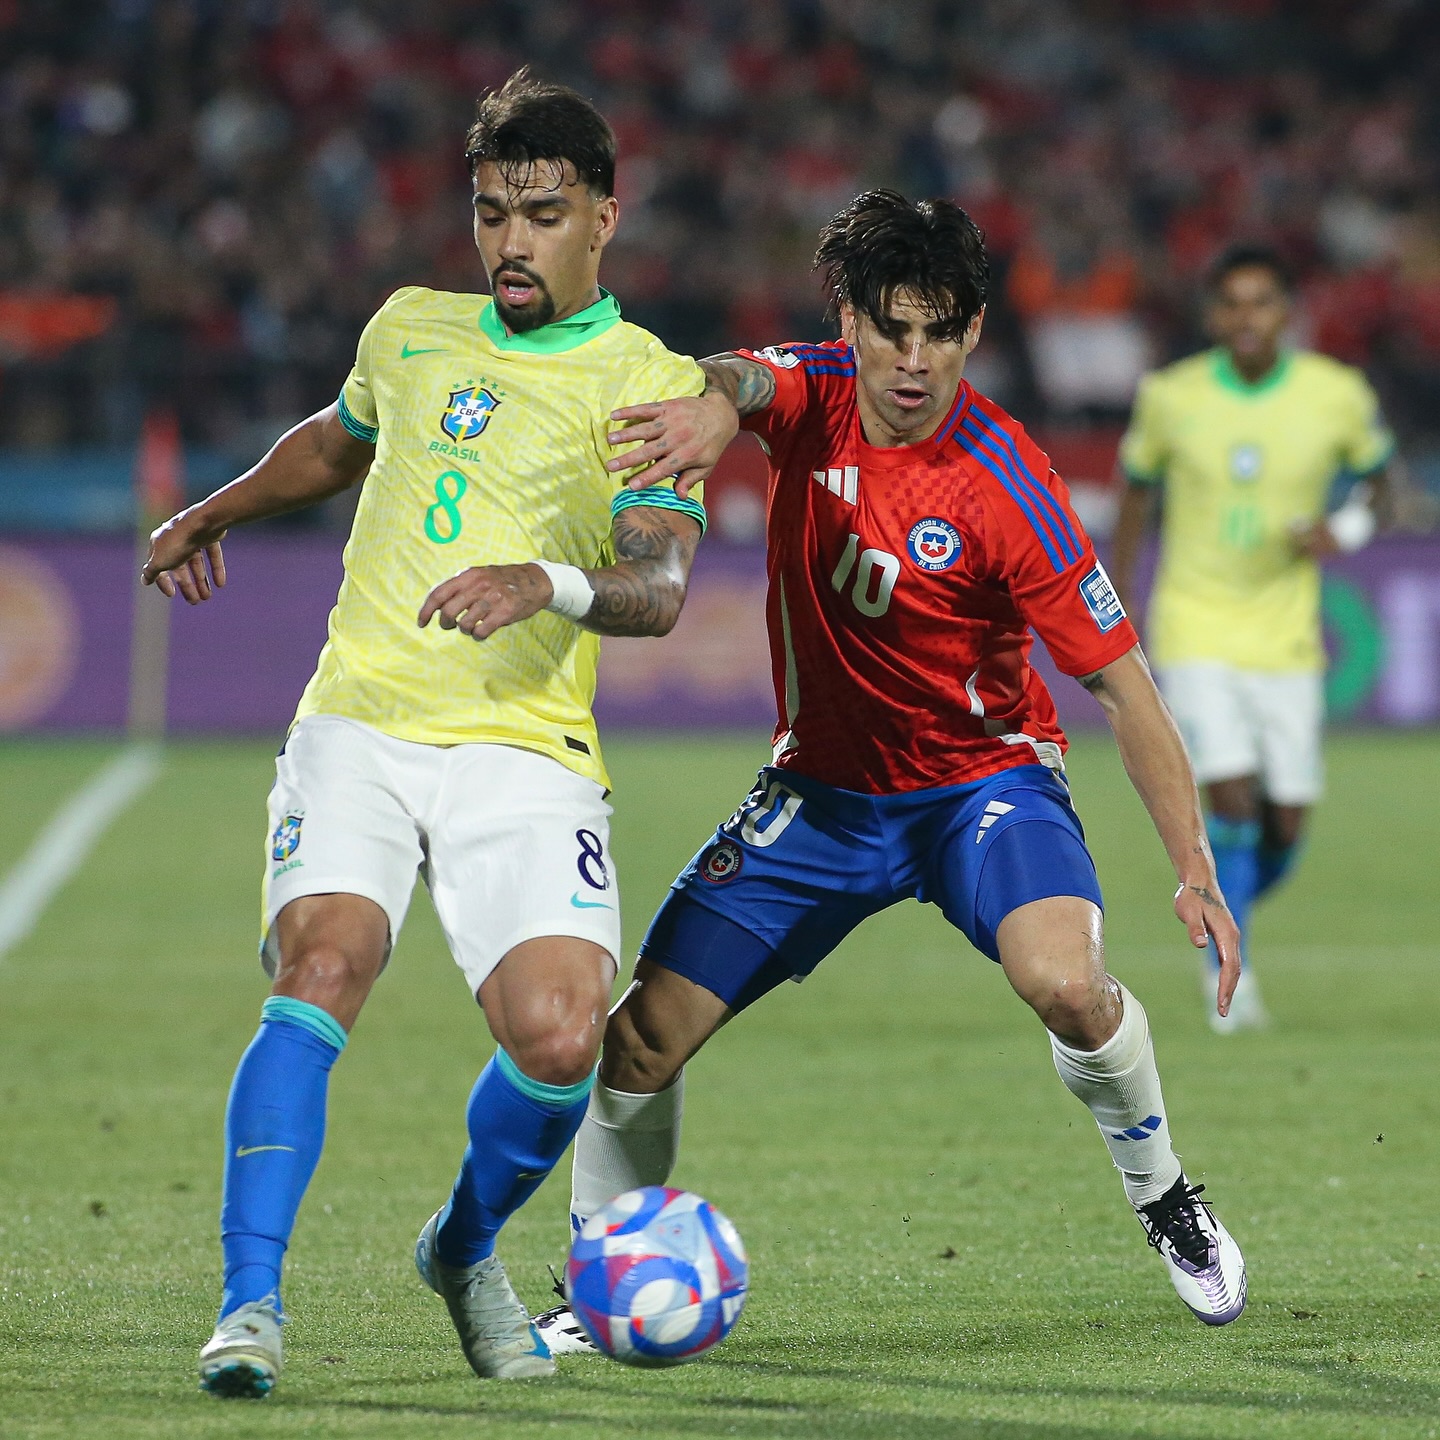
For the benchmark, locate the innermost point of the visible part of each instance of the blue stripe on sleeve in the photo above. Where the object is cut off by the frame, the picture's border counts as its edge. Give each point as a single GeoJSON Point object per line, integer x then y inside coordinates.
{"type": "Point", "coordinates": [1049, 505]}
{"type": "Point", "coordinates": [1016, 494]}
{"type": "Point", "coordinates": [1025, 494]}
{"type": "Point", "coordinates": [358, 428]}
{"type": "Point", "coordinates": [661, 497]}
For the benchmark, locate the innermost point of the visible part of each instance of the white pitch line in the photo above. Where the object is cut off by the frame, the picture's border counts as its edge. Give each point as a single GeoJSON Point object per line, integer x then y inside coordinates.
{"type": "Point", "coordinates": [62, 846]}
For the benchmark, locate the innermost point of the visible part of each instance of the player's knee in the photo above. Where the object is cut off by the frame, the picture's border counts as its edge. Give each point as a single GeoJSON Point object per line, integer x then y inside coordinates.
{"type": "Point", "coordinates": [564, 1055]}
{"type": "Point", "coordinates": [325, 974]}
{"type": "Point", "coordinates": [1082, 1010]}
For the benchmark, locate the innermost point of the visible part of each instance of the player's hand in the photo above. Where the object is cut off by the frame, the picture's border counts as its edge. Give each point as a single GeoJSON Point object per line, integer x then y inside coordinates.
{"type": "Point", "coordinates": [185, 557]}
{"type": "Point", "coordinates": [484, 598]}
{"type": "Point", "coordinates": [1202, 911]}
{"type": "Point", "coordinates": [684, 438]}
{"type": "Point", "coordinates": [1315, 541]}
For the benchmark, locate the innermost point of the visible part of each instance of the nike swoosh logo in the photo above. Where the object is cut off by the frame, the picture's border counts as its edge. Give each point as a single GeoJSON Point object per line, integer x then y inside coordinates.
{"type": "Point", "coordinates": [407, 353]}
{"type": "Point", "coordinates": [580, 904]}
{"type": "Point", "coordinates": [244, 1150]}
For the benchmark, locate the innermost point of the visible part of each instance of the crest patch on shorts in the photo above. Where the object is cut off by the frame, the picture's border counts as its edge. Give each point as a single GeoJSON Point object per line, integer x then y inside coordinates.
{"type": "Point", "coordinates": [722, 862]}
{"type": "Point", "coordinates": [286, 839]}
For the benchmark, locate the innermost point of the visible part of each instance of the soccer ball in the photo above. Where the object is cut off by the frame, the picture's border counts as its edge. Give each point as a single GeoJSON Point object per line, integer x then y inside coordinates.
{"type": "Point", "coordinates": [657, 1277]}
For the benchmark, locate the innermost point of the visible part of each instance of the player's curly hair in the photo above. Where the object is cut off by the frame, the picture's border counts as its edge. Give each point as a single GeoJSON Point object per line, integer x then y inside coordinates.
{"type": "Point", "coordinates": [881, 243]}
{"type": "Point", "coordinates": [526, 120]}
{"type": "Point", "coordinates": [1247, 256]}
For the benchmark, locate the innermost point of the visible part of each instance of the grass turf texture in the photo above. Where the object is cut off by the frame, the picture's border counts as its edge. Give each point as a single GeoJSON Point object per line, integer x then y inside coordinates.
{"type": "Point", "coordinates": [939, 1245]}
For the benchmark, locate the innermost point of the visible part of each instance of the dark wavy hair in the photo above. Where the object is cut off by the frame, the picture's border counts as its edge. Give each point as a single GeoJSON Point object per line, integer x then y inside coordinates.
{"type": "Point", "coordinates": [882, 243]}
{"type": "Point", "coordinates": [1244, 257]}
{"type": "Point", "coordinates": [526, 120]}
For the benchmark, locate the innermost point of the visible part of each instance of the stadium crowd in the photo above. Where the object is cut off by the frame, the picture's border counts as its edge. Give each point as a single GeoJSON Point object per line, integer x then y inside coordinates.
{"type": "Point", "coordinates": [202, 201]}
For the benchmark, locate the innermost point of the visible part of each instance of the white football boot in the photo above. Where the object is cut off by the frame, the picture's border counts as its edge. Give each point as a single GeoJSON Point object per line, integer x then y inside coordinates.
{"type": "Point", "coordinates": [241, 1360]}
{"type": "Point", "coordinates": [1247, 1009]}
{"type": "Point", "coordinates": [1204, 1262]}
{"type": "Point", "coordinates": [494, 1327]}
{"type": "Point", "coordinates": [561, 1331]}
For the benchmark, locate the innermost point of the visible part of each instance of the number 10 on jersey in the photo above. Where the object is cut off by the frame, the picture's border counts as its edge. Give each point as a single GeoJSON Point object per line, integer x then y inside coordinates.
{"type": "Point", "coordinates": [875, 575]}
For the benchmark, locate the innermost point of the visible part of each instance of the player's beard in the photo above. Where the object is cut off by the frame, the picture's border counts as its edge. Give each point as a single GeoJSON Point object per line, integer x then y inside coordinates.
{"type": "Point", "coordinates": [540, 311]}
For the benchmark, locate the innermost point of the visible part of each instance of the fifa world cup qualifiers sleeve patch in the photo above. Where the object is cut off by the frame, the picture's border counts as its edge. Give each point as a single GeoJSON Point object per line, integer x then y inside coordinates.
{"type": "Point", "coordinates": [660, 497]}
{"type": "Point", "coordinates": [785, 359]}
{"type": "Point", "coordinates": [1101, 600]}
{"type": "Point", "coordinates": [357, 427]}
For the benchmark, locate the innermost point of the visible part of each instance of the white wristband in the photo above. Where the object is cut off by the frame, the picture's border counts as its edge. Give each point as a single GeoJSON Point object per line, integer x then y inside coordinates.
{"type": "Point", "coordinates": [1352, 526]}
{"type": "Point", "coordinates": [574, 594]}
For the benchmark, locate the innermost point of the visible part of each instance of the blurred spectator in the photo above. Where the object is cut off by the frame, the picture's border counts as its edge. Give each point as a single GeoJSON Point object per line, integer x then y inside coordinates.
{"type": "Point", "coordinates": [202, 202]}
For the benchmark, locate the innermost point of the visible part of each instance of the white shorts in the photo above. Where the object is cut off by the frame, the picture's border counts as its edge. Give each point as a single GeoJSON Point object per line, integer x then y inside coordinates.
{"type": "Point", "coordinates": [511, 844]}
{"type": "Point", "coordinates": [1251, 722]}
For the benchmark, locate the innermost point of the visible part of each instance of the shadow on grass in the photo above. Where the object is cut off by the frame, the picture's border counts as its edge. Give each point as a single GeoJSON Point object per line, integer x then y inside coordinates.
{"type": "Point", "coordinates": [764, 1420]}
{"type": "Point", "coordinates": [1343, 1388]}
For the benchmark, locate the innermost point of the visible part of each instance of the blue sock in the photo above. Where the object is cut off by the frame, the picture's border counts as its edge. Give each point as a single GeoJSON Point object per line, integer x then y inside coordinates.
{"type": "Point", "coordinates": [1273, 864]}
{"type": "Point", "coordinates": [1236, 846]}
{"type": "Point", "coordinates": [519, 1128]}
{"type": "Point", "coordinates": [274, 1128]}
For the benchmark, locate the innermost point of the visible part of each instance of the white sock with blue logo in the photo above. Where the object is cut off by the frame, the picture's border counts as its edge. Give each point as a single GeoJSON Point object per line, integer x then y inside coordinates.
{"type": "Point", "coordinates": [1121, 1086]}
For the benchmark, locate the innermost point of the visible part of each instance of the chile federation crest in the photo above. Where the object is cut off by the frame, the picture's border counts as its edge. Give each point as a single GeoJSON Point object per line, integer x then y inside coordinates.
{"type": "Point", "coordinates": [468, 412]}
{"type": "Point", "coordinates": [933, 544]}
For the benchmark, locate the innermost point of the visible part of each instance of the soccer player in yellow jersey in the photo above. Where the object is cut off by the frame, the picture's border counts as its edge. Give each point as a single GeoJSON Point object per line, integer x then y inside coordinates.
{"type": "Point", "coordinates": [1246, 442]}
{"type": "Point", "coordinates": [494, 505]}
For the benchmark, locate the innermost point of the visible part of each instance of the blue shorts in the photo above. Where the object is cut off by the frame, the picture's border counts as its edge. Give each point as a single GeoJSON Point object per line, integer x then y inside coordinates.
{"type": "Point", "coordinates": [801, 864]}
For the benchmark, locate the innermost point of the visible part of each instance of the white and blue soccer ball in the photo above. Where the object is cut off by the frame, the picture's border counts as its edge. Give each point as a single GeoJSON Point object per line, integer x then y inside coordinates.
{"type": "Point", "coordinates": [657, 1277]}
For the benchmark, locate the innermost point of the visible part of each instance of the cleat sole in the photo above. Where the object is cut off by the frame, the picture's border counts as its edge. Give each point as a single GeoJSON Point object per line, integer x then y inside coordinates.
{"type": "Point", "coordinates": [238, 1380]}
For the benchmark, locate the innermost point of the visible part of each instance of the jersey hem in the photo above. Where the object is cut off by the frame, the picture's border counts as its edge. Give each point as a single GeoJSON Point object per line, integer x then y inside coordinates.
{"type": "Point", "coordinates": [1015, 757]}
{"type": "Point", "coordinates": [594, 771]}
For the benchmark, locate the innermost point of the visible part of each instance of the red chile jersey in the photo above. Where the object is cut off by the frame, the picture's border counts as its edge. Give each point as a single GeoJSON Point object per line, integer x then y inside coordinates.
{"type": "Point", "coordinates": [904, 582]}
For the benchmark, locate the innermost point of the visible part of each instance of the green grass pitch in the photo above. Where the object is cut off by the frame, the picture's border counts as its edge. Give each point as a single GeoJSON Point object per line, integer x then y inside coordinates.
{"type": "Point", "coordinates": [939, 1245]}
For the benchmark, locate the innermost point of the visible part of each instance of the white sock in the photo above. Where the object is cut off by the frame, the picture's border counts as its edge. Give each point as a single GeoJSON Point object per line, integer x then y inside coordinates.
{"type": "Point", "coordinates": [625, 1141]}
{"type": "Point", "coordinates": [1121, 1086]}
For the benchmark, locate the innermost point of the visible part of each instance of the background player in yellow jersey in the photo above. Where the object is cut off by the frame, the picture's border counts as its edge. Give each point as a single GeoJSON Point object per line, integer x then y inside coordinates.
{"type": "Point", "coordinates": [1246, 442]}
{"type": "Point", "coordinates": [492, 501]}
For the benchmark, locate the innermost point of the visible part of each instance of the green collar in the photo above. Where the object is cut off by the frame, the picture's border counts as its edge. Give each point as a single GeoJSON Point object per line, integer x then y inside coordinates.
{"type": "Point", "coordinates": [1231, 379]}
{"type": "Point", "coordinates": [559, 335]}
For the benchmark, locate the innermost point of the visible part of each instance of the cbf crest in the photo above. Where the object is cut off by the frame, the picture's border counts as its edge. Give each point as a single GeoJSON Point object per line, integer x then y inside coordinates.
{"type": "Point", "coordinates": [468, 412]}
{"type": "Point", "coordinates": [286, 839]}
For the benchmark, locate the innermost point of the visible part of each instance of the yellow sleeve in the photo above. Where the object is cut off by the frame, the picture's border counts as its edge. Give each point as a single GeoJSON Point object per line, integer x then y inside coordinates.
{"type": "Point", "coordinates": [1367, 442]}
{"type": "Point", "coordinates": [1144, 451]}
{"type": "Point", "coordinates": [663, 377]}
{"type": "Point", "coordinates": [357, 395]}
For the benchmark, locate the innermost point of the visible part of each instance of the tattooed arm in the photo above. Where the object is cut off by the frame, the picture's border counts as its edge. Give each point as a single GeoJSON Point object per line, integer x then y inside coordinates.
{"type": "Point", "coordinates": [686, 437]}
{"type": "Point", "coordinates": [640, 594]}
{"type": "Point", "coordinates": [1159, 769]}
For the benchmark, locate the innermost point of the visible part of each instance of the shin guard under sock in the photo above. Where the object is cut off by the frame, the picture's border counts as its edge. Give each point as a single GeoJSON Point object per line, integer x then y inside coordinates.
{"type": "Point", "coordinates": [274, 1131]}
{"type": "Point", "coordinates": [1121, 1086]}
{"type": "Point", "coordinates": [625, 1141]}
{"type": "Point", "coordinates": [519, 1128]}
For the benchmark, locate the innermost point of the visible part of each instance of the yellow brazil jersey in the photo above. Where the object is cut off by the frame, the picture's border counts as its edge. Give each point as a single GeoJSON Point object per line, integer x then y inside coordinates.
{"type": "Point", "coordinates": [490, 449]}
{"type": "Point", "coordinates": [1241, 464]}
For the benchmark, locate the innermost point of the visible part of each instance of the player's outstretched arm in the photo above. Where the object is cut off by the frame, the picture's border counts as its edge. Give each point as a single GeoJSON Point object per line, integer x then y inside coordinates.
{"type": "Point", "coordinates": [640, 594]}
{"type": "Point", "coordinates": [686, 437]}
{"type": "Point", "coordinates": [315, 460]}
{"type": "Point", "coordinates": [1133, 523]}
{"type": "Point", "coordinates": [1159, 769]}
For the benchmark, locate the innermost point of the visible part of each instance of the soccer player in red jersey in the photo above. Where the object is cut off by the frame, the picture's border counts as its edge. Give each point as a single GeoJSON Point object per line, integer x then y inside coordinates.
{"type": "Point", "coordinates": [915, 536]}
